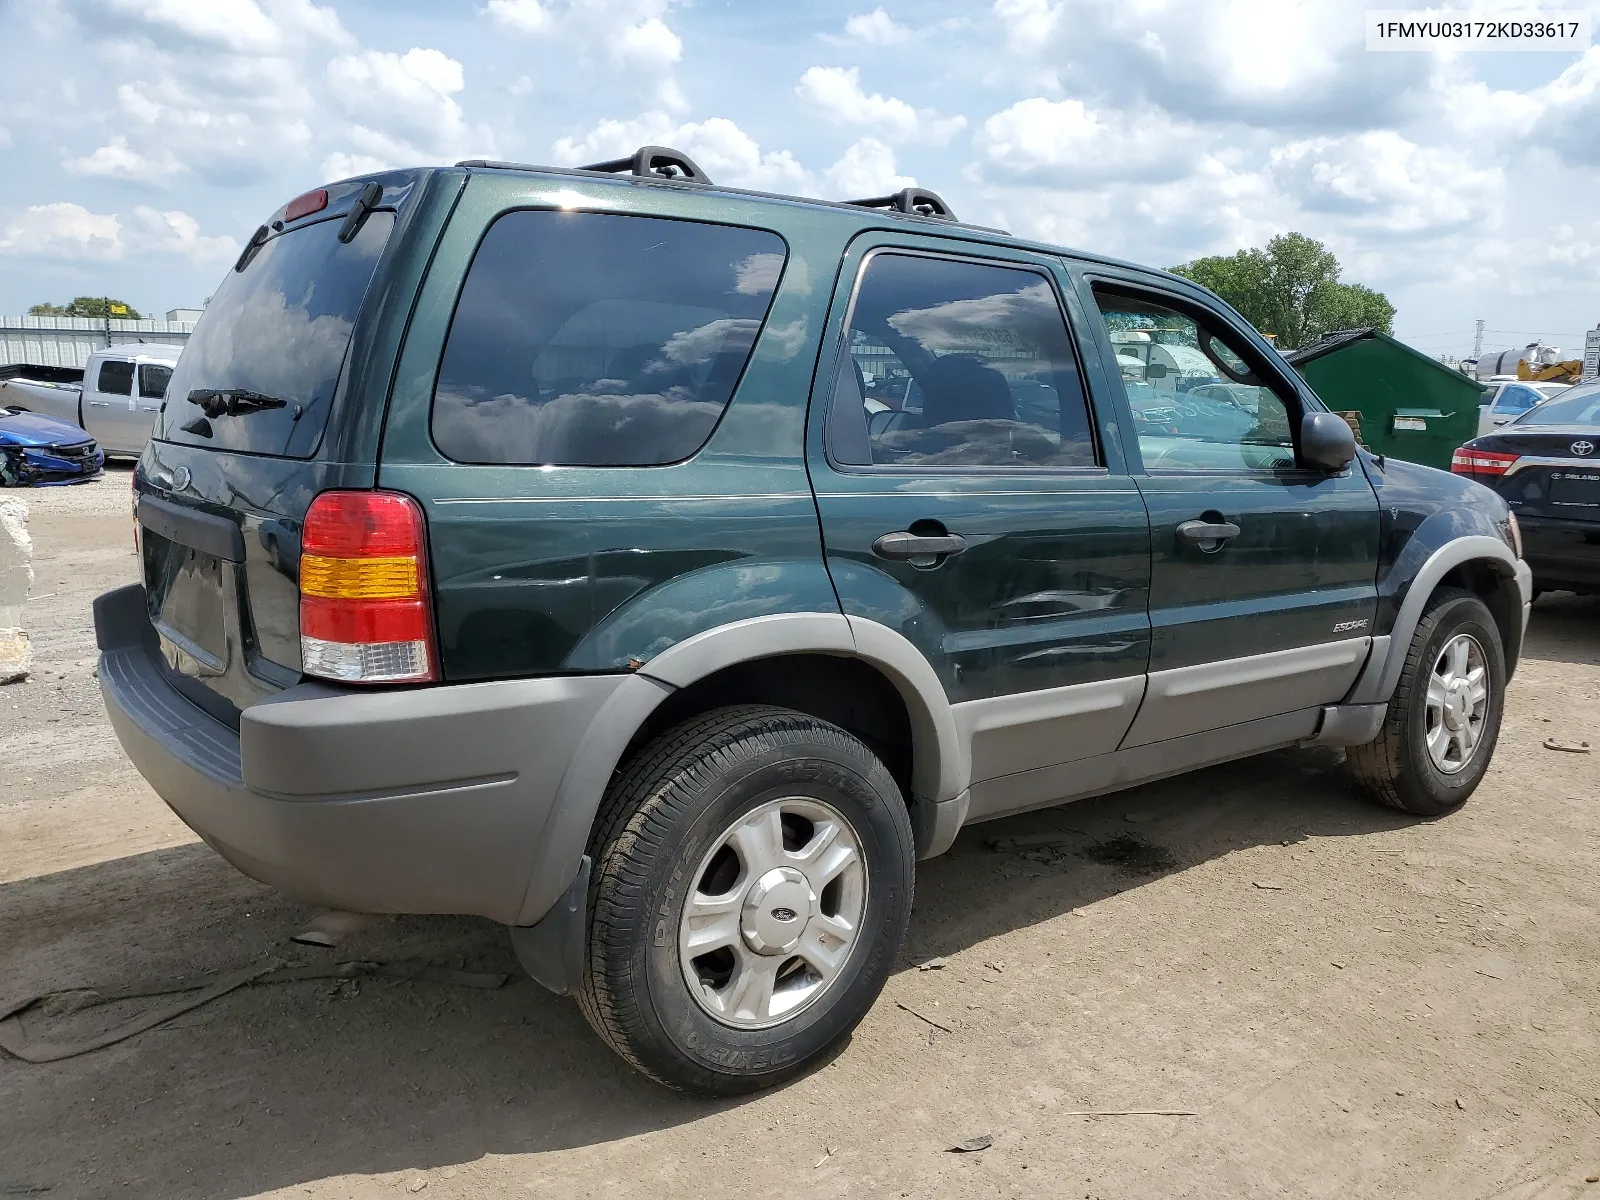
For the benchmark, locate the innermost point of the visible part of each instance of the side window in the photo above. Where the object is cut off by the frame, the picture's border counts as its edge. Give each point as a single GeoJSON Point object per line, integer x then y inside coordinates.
{"type": "Point", "coordinates": [116, 378]}
{"type": "Point", "coordinates": [1197, 405]}
{"type": "Point", "coordinates": [957, 364]}
{"type": "Point", "coordinates": [153, 379]}
{"type": "Point", "coordinates": [593, 339]}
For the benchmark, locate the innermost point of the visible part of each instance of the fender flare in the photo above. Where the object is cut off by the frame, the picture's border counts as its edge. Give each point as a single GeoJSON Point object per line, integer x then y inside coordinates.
{"type": "Point", "coordinates": [1382, 672]}
{"type": "Point", "coordinates": [939, 771]}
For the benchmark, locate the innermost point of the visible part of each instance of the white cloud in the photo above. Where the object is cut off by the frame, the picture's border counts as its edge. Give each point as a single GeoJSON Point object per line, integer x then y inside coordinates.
{"type": "Point", "coordinates": [411, 94]}
{"type": "Point", "coordinates": [876, 28]}
{"type": "Point", "coordinates": [242, 26]}
{"type": "Point", "coordinates": [837, 91]}
{"type": "Point", "coordinates": [64, 231]}
{"type": "Point", "coordinates": [867, 168]}
{"type": "Point", "coordinates": [1384, 184]}
{"type": "Point", "coordinates": [5, 138]}
{"type": "Point", "coordinates": [116, 160]}
{"type": "Point", "coordinates": [631, 36]}
{"type": "Point", "coordinates": [523, 16]}
{"type": "Point", "coordinates": [1271, 64]}
{"type": "Point", "coordinates": [1069, 143]}
{"type": "Point", "coordinates": [70, 232]}
{"type": "Point", "coordinates": [172, 232]}
{"type": "Point", "coordinates": [718, 146]}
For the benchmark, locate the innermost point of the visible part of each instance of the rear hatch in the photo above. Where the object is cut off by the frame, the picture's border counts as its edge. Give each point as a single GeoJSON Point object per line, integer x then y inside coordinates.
{"type": "Point", "coordinates": [278, 396]}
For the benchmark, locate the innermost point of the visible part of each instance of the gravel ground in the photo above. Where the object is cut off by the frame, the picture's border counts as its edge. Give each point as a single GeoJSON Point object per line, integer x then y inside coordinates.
{"type": "Point", "coordinates": [1350, 1002]}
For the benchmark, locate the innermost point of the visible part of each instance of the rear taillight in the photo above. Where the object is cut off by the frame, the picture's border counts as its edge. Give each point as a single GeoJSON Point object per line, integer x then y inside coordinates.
{"type": "Point", "coordinates": [364, 590]}
{"type": "Point", "coordinates": [1467, 461]}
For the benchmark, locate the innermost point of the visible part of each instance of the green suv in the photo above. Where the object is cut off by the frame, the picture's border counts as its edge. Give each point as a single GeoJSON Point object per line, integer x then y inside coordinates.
{"type": "Point", "coordinates": [662, 569]}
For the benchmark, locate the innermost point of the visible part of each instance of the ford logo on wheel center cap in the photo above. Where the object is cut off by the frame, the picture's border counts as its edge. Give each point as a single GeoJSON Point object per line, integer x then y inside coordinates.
{"type": "Point", "coordinates": [1582, 448]}
{"type": "Point", "coordinates": [784, 914]}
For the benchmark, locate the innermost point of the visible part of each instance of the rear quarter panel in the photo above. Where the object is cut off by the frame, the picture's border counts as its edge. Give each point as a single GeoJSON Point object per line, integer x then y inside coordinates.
{"type": "Point", "coordinates": [558, 569]}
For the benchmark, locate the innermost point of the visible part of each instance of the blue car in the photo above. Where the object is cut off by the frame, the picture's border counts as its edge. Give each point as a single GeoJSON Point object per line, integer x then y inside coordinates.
{"type": "Point", "coordinates": [39, 451]}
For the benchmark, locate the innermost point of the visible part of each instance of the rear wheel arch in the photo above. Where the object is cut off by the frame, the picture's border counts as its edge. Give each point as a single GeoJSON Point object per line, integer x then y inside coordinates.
{"type": "Point", "coordinates": [857, 674]}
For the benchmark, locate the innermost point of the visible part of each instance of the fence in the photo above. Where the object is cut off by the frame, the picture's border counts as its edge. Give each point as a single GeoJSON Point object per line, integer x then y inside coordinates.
{"type": "Point", "coordinates": [68, 341]}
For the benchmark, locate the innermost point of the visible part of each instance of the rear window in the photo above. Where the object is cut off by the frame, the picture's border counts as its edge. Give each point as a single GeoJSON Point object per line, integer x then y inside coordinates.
{"type": "Point", "coordinates": [259, 372]}
{"type": "Point", "coordinates": [593, 339]}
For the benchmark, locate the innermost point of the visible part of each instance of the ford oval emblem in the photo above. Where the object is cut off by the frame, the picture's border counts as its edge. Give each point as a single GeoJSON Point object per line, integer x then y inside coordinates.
{"type": "Point", "coordinates": [180, 479]}
{"type": "Point", "coordinates": [1583, 448]}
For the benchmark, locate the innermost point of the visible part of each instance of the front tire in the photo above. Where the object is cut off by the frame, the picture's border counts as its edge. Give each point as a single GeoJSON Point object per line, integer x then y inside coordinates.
{"type": "Point", "coordinates": [1444, 718]}
{"type": "Point", "coordinates": [752, 887]}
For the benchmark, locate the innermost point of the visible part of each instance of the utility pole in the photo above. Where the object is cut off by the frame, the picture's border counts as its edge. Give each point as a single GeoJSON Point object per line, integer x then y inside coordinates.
{"type": "Point", "coordinates": [1477, 341]}
{"type": "Point", "coordinates": [106, 300]}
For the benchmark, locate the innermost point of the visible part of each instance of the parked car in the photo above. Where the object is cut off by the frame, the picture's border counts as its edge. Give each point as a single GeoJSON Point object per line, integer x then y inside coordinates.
{"type": "Point", "coordinates": [518, 542]}
{"type": "Point", "coordinates": [36, 450]}
{"type": "Point", "coordinates": [1509, 399]}
{"type": "Point", "coordinates": [1546, 464]}
{"type": "Point", "coordinates": [115, 397]}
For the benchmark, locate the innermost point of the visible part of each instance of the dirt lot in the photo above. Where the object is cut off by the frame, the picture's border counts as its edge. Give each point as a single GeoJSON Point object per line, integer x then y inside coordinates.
{"type": "Point", "coordinates": [1350, 1002]}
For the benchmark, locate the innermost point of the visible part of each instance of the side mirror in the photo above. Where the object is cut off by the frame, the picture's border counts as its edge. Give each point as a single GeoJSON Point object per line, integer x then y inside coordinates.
{"type": "Point", "coordinates": [880, 422]}
{"type": "Point", "coordinates": [1327, 441]}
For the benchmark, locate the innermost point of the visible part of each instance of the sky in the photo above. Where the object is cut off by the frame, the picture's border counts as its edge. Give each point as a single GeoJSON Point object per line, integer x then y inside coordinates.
{"type": "Point", "coordinates": [142, 140]}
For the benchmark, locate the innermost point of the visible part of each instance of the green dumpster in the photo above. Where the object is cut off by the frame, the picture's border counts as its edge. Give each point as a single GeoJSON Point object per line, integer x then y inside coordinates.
{"type": "Point", "coordinates": [1411, 406]}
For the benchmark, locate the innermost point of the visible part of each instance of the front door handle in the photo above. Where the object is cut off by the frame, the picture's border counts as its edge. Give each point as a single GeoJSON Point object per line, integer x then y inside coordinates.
{"type": "Point", "coordinates": [906, 545]}
{"type": "Point", "coordinates": [99, 404]}
{"type": "Point", "coordinates": [1208, 531]}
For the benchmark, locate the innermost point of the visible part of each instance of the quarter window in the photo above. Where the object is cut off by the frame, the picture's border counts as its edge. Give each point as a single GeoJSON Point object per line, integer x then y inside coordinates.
{"type": "Point", "coordinates": [957, 364]}
{"type": "Point", "coordinates": [1197, 404]}
{"type": "Point", "coordinates": [593, 339]}
{"type": "Point", "coordinates": [116, 378]}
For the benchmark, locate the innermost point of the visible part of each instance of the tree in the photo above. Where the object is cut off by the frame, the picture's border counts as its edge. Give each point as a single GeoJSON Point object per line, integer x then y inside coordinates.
{"type": "Point", "coordinates": [1291, 289]}
{"type": "Point", "coordinates": [87, 306]}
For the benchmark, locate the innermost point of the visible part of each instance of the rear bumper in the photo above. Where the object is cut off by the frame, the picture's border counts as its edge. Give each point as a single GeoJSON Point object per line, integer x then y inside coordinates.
{"type": "Point", "coordinates": [1563, 555]}
{"type": "Point", "coordinates": [418, 800]}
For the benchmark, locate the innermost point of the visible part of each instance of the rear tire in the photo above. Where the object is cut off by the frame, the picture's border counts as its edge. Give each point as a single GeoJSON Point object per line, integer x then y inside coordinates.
{"type": "Point", "coordinates": [1444, 718]}
{"type": "Point", "coordinates": [752, 887]}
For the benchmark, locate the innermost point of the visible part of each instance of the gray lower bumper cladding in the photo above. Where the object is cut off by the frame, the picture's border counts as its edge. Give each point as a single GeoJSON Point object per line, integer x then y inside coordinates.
{"type": "Point", "coordinates": [417, 800]}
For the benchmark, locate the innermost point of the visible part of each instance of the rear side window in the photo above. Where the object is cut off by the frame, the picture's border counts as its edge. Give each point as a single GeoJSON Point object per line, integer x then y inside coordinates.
{"type": "Point", "coordinates": [259, 372]}
{"type": "Point", "coordinates": [592, 339]}
{"type": "Point", "coordinates": [153, 380]}
{"type": "Point", "coordinates": [116, 378]}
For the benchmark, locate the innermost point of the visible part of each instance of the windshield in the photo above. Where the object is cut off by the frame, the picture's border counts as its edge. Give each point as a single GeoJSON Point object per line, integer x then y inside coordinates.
{"type": "Point", "coordinates": [259, 372]}
{"type": "Point", "coordinates": [1578, 406]}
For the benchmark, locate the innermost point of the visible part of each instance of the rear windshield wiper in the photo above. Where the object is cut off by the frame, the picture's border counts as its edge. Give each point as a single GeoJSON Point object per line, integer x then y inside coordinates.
{"type": "Point", "coordinates": [232, 402]}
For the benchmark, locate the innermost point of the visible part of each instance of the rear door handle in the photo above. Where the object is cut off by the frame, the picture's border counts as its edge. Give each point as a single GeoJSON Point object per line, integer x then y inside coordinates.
{"type": "Point", "coordinates": [906, 545]}
{"type": "Point", "coordinates": [99, 404]}
{"type": "Point", "coordinates": [1208, 531]}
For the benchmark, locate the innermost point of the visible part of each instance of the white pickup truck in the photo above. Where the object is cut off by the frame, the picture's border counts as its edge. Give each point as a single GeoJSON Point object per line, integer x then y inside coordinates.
{"type": "Point", "coordinates": [114, 398]}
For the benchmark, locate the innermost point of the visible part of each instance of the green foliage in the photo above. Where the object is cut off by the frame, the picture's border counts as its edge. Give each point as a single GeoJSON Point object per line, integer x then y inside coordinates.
{"type": "Point", "coordinates": [86, 306]}
{"type": "Point", "coordinates": [1291, 289]}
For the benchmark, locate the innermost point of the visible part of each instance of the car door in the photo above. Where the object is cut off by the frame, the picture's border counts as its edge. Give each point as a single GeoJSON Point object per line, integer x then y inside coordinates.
{"type": "Point", "coordinates": [972, 500]}
{"type": "Point", "coordinates": [1263, 570]}
{"type": "Point", "coordinates": [140, 418]}
{"type": "Point", "coordinates": [109, 395]}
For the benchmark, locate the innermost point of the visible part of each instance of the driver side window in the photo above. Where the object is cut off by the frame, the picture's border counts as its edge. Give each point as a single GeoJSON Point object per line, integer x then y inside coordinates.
{"type": "Point", "coordinates": [1196, 403]}
{"type": "Point", "coordinates": [957, 364]}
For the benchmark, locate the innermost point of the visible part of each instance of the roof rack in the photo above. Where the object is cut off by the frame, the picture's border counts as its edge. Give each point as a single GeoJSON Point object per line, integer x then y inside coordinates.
{"type": "Point", "coordinates": [916, 202]}
{"type": "Point", "coordinates": [659, 161]}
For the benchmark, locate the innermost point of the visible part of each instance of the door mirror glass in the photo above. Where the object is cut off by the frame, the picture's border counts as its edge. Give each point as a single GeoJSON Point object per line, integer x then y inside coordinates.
{"type": "Point", "coordinates": [1327, 441]}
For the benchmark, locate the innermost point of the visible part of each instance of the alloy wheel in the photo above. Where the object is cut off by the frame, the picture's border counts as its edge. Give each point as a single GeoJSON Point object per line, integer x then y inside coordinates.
{"type": "Point", "coordinates": [776, 908]}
